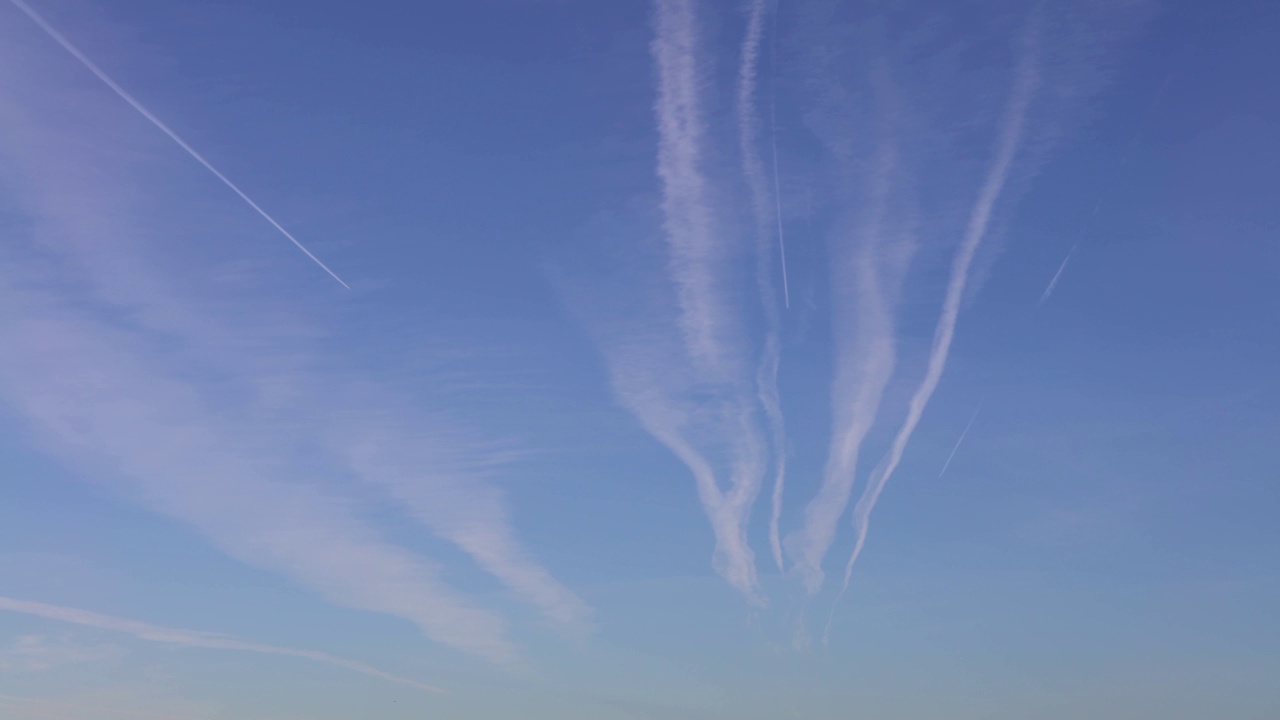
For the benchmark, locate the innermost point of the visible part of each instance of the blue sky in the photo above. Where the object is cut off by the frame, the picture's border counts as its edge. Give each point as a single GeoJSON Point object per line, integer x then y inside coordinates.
{"type": "Point", "coordinates": [680, 359]}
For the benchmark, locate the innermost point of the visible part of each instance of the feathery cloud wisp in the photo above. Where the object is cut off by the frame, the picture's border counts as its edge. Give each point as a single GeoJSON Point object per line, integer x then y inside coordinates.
{"type": "Point", "coordinates": [420, 477]}
{"type": "Point", "coordinates": [142, 110]}
{"type": "Point", "coordinates": [193, 638]}
{"type": "Point", "coordinates": [197, 409]}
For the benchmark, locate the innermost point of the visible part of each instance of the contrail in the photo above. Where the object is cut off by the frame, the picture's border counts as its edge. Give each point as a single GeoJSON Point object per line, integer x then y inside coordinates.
{"type": "Point", "coordinates": [193, 638]}
{"type": "Point", "coordinates": [773, 141]}
{"type": "Point", "coordinates": [1054, 282]}
{"type": "Point", "coordinates": [93, 68]}
{"type": "Point", "coordinates": [867, 273]}
{"type": "Point", "coordinates": [947, 464]}
{"type": "Point", "coordinates": [697, 258]}
{"type": "Point", "coordinates": [753, 168]}
{"type": "Point", "coordinates": [980, 217]}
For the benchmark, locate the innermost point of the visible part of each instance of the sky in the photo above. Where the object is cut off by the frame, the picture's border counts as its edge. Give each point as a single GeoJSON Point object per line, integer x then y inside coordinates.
{"type": "Point", "coordinates": [661, 359]}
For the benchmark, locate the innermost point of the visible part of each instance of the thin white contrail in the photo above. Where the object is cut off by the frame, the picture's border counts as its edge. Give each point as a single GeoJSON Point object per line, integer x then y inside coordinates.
{"type": "Point", "coordinates": [773, 141]}
{"type": "Point", "coordinates": [753, 168]}
{"type": "Point", "coordinates": [192, 638]}
{"type": "Point", "coordinates": [106, 79]}
{"type": "Point", "coordinates": [1054, 282]}
{"type": "Point", "coordinates": [980, 217]}
{"type": "Point", "coordinates": [955, 449]}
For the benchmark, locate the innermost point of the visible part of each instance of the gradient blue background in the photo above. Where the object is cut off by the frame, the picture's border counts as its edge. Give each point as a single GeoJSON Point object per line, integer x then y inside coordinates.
{"type": "Point", "coordinates": [1103, 543]}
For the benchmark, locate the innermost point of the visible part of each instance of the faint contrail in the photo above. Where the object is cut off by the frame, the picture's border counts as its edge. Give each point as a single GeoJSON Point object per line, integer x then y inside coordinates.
{"type": "Point", "coordinates": [773, 141]}
{"type": "Point", "coordinates": [1054, 282]}
{"type": "Point", "coordinates": [1010, 138]}
{"type": "Point", "coordinates": [192, 638]}
{"type": "Point", "coordinates": [753, 168]}
{"type": "Point", "coordinates": [93, 68]}
{"type": "Point", "coordinates": [947, 464]}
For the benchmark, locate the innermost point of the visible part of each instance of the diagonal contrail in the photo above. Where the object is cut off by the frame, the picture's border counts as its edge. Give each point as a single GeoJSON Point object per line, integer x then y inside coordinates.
{"type": "Point", "coordinates": [106, 79]}
{"type": "Point", "coordinates": [955, 449]}
{"type": "Point", "coordinates": [980, 216]}
{"type": "Point", "coordinates": [1054, 282]}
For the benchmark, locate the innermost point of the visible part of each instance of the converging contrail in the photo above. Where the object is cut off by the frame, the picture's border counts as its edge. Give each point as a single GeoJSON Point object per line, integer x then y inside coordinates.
{"type": "Point", "coordinates": [1009, 141]}
{"type": "Point", "coordinates": [1054, 282]}
{"type": "Point", "coordinates": [955, 449]}
{"type": "Point", "coordinates": [708, 321]}
{"type": "Point", "coordinates": [97, 71]}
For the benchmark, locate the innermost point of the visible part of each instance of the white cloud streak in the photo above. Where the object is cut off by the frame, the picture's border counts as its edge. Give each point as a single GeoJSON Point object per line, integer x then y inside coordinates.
{"type": "Point", "coordinates": [194, 638]}
{"type": "Point", "coordinates": [100, 404]}
{"type": "Point", "coordinates": [753, 168]}
{"type": "Point", "coordinates": [473, 515]}
{"type": "Point", "coordinates": [1010, 137]}
{"type": "Point", "coordinates": [1044, 297]}
{"type": "Point", "coordinates": [142, 110]}
{"type": "Point", "coordinates": [697, 397]}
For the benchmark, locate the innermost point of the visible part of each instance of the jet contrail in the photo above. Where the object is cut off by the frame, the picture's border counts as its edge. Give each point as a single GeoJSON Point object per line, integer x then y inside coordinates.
{"type": "Point", "coordinates": [192, 638]}
{"type": "Point", "coordinates": [93, 68]}
{"type": "Point", "coordinates": [753, 168]}
{"type": "Point", "coordinates": [867, 273]}
{"type": "Point", "coordinates": [947, 464]}
{"type": "Point", "coordinates": [773, 141]}
{"type": "Point", "coordinates": [1054, 282]}
{"type": "Point", "coordinates": [1009, 140]}
{"type": "Point", "coordinates": [708, 322]}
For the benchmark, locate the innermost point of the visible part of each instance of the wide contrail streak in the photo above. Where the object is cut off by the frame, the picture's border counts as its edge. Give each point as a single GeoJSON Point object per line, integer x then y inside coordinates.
{"type": "Point", "coordinates": [955, 449]}
{"type": "Point", "coordinates": [1054, 282]}
{"type": "Point", "coordinates": [192, 638]}
{"type": "Point", "coordinates": [868, 269]}
{"type": "Point", "coordinates": [697, 259]}
{"type": "Point", "coordinates": [997, 174]}
{"type": "Point", "coordinates": [106, 79]}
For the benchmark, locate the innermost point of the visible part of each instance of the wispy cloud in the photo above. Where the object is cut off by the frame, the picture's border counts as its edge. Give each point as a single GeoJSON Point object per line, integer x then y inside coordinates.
{"type": "Point", "coordinates": [1008, 141]}
{"type": "Point", "coordinates": [34, 653]}
{"type": "Point", "coordinates": [753, 168]}
{"type": "Point", "coordinates": [452, 495]}
{"type": "Point", "coordinates": [219, 412]}
{"type": "Point", "coordinates": [142, 110]}
{"type": "Point", "coordinates": [193, 638]}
